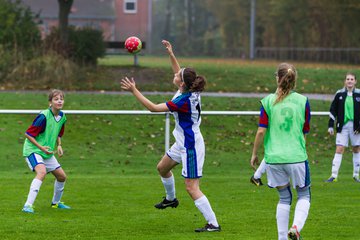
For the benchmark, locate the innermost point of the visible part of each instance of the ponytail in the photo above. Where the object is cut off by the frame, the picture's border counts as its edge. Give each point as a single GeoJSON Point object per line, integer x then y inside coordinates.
{"type": "Point", "coordinates": [193, 82]}
{"type": "Point", "coordinates": [286, 74]}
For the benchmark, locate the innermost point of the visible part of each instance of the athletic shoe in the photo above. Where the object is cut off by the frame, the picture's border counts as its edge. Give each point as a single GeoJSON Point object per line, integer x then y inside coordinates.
{"type": "Point", "coordinates": [209, 228]}
{"type": "Point", "coordinates": [28, 209]}
{"type": "Point", "coordinates": [293, 233]}
{"type": "Point", "coordinates": [256, 181]}
{"type": "Point", "coordinates": [331, 179]}
{"type": "Point", "coordinates": [356, 179]}
{"type": "Point", "coordinates": [60, 205]}
{"type": "Point", "coordinates": [166, 203]}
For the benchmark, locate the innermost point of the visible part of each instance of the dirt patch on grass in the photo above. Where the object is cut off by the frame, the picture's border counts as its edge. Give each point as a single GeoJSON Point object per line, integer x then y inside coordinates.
{"type": "Point", "coordinates": [96, 78]}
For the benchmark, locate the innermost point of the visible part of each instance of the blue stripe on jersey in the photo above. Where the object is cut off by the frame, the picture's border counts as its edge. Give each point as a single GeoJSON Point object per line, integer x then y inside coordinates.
{"type": "Point", "coordinates": [186, 124]}
{"type": "Point", "coordinates": [181, 97]}
{"type": "Point", "coordinates": [39, 120]}
{"type": "Point", "coordinates": [191, 163]}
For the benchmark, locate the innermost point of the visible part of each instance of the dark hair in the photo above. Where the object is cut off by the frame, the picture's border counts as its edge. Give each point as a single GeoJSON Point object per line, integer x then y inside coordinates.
{"type": "Point", "coordinates": [193, 82]}
{"type": "Point", "coordinates": [286, 74]}
{"type": "Point", "coordinates": [54, 93]}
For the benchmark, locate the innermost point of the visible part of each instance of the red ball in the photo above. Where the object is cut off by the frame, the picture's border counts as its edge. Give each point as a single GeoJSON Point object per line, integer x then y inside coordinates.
{"type": "Point", "coordinates": [133, 45]}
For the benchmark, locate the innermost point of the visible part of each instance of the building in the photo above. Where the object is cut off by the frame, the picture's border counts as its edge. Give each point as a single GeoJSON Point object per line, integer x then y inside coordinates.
{"type": "Point", "coordinates": [118, 19]}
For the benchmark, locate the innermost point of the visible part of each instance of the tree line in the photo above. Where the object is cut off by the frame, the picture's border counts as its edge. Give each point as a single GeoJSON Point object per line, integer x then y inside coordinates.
{"type": "Point", "coordinates": [222, 28]}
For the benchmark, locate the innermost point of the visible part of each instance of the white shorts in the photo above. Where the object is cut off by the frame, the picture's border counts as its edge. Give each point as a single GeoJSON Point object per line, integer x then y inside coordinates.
{"type": "Point", "coordinates": [280, 174]}
{"type": "Point", "coordinates": [34, 159]}
{"type": "Point", "coordinates": [342, 138]}
{"type": "Point", "coordinates": [192, 159]}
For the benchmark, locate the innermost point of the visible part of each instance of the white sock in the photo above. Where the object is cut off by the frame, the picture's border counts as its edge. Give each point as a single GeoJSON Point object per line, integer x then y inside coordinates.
{"type": "Point", "coordinates": [34, 190]}
{"type": "Point", "coordinates": [336, 165]}
{"type": "Point", "coordinates": [169, 185]}
{"type": "Point", "coordinates": [203, 205]}
{"type": "Point", "coordinates": [58, 191]}
{"type": "Point", "coordinates": [356, 162]}
{"type": "Point", "coordinates": [301, 213]}
{"type": "Point", "coordinates": [282, 220]}
{"type": "Point", "coordinates": [260, 170]}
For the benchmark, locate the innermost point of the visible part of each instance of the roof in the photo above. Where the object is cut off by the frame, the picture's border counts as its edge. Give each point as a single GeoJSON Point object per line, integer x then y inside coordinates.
{"type": "Point", "coordinates": [92, 9]}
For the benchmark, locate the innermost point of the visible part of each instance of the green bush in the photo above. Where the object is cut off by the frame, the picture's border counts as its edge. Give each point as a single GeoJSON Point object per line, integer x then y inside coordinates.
{"type": "Point", "coordinates": [85, 45]}
{"type": "Point", "coordinates": [6, 62]}
{"type": "Point", "coordinates": [43, 72]}
{"type": "Point", "coordinates": [19, 35]}
{"type": "Point", "coordinates": [18, 27]}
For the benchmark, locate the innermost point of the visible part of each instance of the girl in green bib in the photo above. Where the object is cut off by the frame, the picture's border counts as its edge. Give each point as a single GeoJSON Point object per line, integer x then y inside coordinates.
{"type": "Point", "coordinates": [284, 121]}
{"type": "Point", "coordinates": [43, 139]}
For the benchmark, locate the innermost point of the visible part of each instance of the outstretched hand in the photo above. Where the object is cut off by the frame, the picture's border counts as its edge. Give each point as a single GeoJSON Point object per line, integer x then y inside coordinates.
{"type": "Point", "coordinates": [168, 46]}
{"type": "Point", "coordinates": [128, 84]}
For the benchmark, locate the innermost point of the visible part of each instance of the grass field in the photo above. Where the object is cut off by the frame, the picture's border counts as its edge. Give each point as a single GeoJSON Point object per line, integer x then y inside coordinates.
{"type": "Point", "coordinates": [113, 184]}
{"type": "Point", "coordinates": [155, 74]}
{"type": "Point", "coordinates": [223, 75]}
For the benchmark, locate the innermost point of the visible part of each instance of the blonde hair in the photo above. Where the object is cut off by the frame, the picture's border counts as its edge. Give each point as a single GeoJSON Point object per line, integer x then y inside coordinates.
{"type": "Point", "coordinates": [286, 81]}
{"type": "Point", "coordinates": [55, 92]}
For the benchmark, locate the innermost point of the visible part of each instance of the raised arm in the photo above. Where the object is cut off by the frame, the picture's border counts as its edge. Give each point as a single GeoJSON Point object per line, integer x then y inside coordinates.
{"type": "Point", "coordinates": [174, 63]}
{"type": "Point", "coordinates": [129, 85]}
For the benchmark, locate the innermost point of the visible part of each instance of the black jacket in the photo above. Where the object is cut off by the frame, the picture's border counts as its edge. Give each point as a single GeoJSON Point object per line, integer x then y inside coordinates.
{"type": "Point", "coordinates": [337, 109]}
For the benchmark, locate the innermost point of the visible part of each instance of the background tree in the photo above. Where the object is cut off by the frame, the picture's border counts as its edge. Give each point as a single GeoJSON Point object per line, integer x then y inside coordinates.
{"type": "Point", "coordinates": [18, 26]}
{"type": "Point", "coordinates": [19, 35]}
{"type": "Point", "coordinates": [221, 28]}
{"type": "Point", "coordinates": [64, 11]}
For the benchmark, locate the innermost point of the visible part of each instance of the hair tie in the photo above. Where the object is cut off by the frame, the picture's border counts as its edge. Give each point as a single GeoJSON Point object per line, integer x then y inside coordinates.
{"type": "Point", "coordinates": [289, 70]}
{"type": "Point", "coordinates": [182, 74]}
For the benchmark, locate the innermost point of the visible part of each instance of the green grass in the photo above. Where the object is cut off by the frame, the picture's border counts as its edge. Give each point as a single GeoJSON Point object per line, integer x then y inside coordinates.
{"type": "Point", "coordinates": [113, 184]}
{"type": "Point", "coordinates": [224, 75]}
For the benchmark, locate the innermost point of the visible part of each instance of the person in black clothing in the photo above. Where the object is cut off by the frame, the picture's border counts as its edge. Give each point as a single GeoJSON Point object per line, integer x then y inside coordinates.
{"type": "Point", "coordinates": [345, 111]}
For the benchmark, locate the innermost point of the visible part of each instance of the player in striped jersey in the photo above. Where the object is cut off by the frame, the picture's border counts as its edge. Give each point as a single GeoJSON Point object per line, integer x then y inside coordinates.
{"type": "Point", "coordinates": [189, 147]}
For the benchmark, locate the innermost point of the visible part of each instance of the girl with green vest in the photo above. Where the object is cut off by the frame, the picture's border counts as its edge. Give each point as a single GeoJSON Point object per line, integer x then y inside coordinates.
{"type": "Point", "coordinates": [284, 121]}
{"type": "Point", "coordinates": [43, 139]}
{"type": "Point", "coordinates": [345, 111]}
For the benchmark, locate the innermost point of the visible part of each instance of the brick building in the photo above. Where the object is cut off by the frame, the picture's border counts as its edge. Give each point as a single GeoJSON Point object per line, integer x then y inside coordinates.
{"type": "Point", "coordinates": [118, 19]}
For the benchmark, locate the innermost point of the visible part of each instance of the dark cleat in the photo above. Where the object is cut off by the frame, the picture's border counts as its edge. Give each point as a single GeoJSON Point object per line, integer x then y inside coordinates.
{"type": "Point", "coordinates": [256, 181]}
{"type": "Point", "coordinates": [209, 228]}
{"type": "Point", "coordinates": [166, 203]}
{"type": "Point", "coordinates": [293, 233]}
{"type": "Point", "coordinates": [331, 179]}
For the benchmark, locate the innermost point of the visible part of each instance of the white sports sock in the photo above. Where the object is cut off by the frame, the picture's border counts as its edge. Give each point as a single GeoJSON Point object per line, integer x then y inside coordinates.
{"type": "Point", "coordinates": [282, 220]}
{"type": "Point", "coordinates": [301, 213]}
{"type": "Point", "coordinates": [336, 165]}
{"type": "Point", "coordinates": [34, 190]}
{"type": "Point", "coordinates": [356, 162]}
{"type": "Point", "coordinates": [260, 170]}
{"type": "Point", "coordinates": [58, 191]}
{"type": "Point", "coordinates": [203, 205]}
{"type": "Point", "coordinates": [169, 185]}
